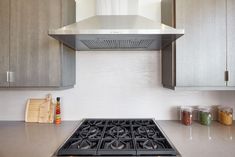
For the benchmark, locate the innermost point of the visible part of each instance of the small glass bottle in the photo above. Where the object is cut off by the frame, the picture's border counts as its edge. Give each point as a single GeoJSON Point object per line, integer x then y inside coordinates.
{"type": "Point", "coordinates": [205, 116]}
{"type": "Point", "coordinates": [57, 111]}
{"type": "Point", "coordinates": [186, 115]}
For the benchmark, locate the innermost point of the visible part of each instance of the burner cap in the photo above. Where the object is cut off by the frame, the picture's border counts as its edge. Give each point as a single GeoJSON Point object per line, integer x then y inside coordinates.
{"type": "Point", "coordinates": [117, 144]}
{"type": "Point", "coordinates": [84, 144]}
{"type": "Point", "coordinates": [93, 129]}
{"type": "Point", "coordinates": [150, 144]}
{"type": "Point", "coordinates": [142, 129]}
{"type": "Point", "coordinates": [89, 131]}
{"type": "Point", "coordinates": [118, 131]}
{"type": "Point", "coordinates": [148, 132]}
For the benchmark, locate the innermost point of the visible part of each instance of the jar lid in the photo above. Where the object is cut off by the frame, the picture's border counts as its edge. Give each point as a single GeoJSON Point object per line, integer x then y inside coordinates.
{"type": "Point", "coordinates": [205, 109]}
{"type": "Point", "coordinates": [220, 107]}
{"type": "Point", "coordinates": [186, 108]}
{"type": "Point", "coordinates": [227, 109]}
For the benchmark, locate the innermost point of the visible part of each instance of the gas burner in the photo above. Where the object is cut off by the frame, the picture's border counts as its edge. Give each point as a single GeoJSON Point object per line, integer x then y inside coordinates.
{"type": "Point", "coordinates": [147, 132]}
{"type": "Point", "coordinates": [74, 144]}
{"type": "Point", "coordinates": [89, 131]}
{"type": "Point", "coordinates": [150, 144]}
{"type": "Point", "coordinates": [83, 144]}
{"type": "Point", "coordinates": [118, 131]}
{"type": "Point", "coordinates": [117, 144]}
{"type": "Point", "coordinates": [150, 132]}
{"type": "Point", "coordinates": [143, 130]}
{"type": "Point", "coordinates": [117, 147]}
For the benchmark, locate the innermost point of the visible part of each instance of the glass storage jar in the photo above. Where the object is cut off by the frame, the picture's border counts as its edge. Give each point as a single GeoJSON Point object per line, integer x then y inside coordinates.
{"type": "Point", "coordinates": [186, 114]}
{"type": "Point", "coordinates": [226, 116]}
{"type": "Point", "coordinates": [204, 116]}
{"type": "Point", "coordinates": [219, 108]}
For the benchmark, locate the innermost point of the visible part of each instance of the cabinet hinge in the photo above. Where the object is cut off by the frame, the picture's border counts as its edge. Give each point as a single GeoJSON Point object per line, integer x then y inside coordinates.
{"type": "Point", "coordinates": [226, 76]}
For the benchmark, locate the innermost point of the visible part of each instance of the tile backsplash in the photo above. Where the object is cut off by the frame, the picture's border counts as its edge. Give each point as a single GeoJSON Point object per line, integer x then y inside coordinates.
{"type": "Point", "coordinates": [116, 84]}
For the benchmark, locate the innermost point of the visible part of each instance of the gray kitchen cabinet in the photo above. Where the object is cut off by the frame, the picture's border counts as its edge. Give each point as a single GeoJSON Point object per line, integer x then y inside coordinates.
{"type": "Point", "coordinates": [35, 59]}
{"type": "Point", "coordinates": [4, 42]}
{"type": "Point", "coordinates": [198, 59]}
{"type": "Point", "coordinates": [231, 43]}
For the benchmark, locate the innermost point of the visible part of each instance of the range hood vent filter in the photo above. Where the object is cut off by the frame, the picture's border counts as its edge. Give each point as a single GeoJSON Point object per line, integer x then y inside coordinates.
{"type": "Point", "coordinates": [117, 44]}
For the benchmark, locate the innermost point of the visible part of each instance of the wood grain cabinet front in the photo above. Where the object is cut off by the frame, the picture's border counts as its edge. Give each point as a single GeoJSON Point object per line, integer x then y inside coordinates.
{"type": "Point", "coordinates": [32, 57]}
{"type": "Point", "coordinates": [199, 59]}
{"type": "Point", "coordinates": [231, 42]}
{"type": "Point", "coordinates": [4, 42]}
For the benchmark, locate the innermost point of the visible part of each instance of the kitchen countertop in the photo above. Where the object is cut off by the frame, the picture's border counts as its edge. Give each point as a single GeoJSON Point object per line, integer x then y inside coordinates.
{"type": "Point", "coordinates": [198, 140]}
{"type": "Point", "coordinates": [41, 140]}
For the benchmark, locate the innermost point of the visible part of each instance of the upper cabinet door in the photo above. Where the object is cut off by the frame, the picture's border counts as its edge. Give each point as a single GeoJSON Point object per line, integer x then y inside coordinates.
{"type": "Point", "coordinates": [4, 42]}
{"type": "Point", "coordinates": [201, 52]}
{"type": "Point", "coordinates": [231, 42]}
{"type": "Point", "coordinates": [34, 56]}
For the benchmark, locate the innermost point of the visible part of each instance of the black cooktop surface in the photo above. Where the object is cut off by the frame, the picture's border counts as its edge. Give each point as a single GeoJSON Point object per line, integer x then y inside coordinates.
{"type": "Point", "coordinates": [117, 137]}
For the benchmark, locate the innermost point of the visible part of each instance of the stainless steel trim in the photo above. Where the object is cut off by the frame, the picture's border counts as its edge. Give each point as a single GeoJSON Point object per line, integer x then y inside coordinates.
{"type": "Point", "coordinates": [7, 76]}
{"type": "Point", "coordinates": [11, 77]}
{"type": "Point", "coordinates": [178, 154]}
{"type": "Point", "coordinates": [116, 24]}
{"type": "Point", "coordinates": [119, 28]}
{"type": "Point", "coordinates": [55, 154]}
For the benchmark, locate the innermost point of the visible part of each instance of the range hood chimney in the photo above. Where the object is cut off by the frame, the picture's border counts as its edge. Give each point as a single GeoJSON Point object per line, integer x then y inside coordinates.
{"type": "Point", "coordinates": [116, 27]}
{"type": "Point", "coordinates": [116, 32]}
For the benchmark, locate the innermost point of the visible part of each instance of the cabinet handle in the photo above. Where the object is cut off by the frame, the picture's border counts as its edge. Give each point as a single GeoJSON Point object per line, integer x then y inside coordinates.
{"type": "Point", "coordinates": [7, 76]}
{"type": "Point", "coordinates": [11, 76]}
{"type": "Point", "coordinates": [226, 76]}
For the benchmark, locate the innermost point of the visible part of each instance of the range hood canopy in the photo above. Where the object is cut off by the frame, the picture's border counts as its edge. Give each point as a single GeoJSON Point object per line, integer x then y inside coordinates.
{"type": "Point", "coordinates": [116, 32]}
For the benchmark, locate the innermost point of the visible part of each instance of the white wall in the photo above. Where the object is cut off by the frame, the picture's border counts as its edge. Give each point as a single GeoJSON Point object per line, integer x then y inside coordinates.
{"type": "Point", "coordinates": [85, 9]}
{"type": "Point", "coordinates": [150, 9]}
{"type": "Point", "coordinates": [115, 84]}
{"type": "Point", "coordinates": [147, 8]}
{"type": "Point", "coordinates": [117, 7]}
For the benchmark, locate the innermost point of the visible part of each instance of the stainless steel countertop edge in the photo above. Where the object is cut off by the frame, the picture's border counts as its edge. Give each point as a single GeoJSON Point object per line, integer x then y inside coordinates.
{"type": "Point", "coordinates": [168, 139]}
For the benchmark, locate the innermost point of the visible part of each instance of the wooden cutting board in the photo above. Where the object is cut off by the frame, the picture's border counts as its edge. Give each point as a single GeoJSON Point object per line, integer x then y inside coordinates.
{"type": "Point", "coordinates": [44, 112]}
{"type": "Point", "coordinates": [39, 110]}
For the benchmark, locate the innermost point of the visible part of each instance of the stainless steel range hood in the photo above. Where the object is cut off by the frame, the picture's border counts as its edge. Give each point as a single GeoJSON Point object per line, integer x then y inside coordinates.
{"type": "Point", "coordinates": [116, 32]}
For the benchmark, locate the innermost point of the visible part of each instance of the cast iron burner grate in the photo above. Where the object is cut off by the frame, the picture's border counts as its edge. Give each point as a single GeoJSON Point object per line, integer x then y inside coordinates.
{"type": "Point", "coordinates": [117, 137]}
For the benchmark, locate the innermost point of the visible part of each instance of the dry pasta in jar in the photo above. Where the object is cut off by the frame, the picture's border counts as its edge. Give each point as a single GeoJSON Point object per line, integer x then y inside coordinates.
{"type": "Point", "coordinates": [226, 116]}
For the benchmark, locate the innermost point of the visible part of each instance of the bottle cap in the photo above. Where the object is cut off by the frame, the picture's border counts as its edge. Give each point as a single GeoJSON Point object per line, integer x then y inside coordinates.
{"type": "Point", "coordinates": [58, 98]}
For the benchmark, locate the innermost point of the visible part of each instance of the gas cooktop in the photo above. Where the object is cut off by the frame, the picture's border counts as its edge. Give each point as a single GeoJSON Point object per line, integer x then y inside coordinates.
{"type": "Point", "coordinates": [118, 137]}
